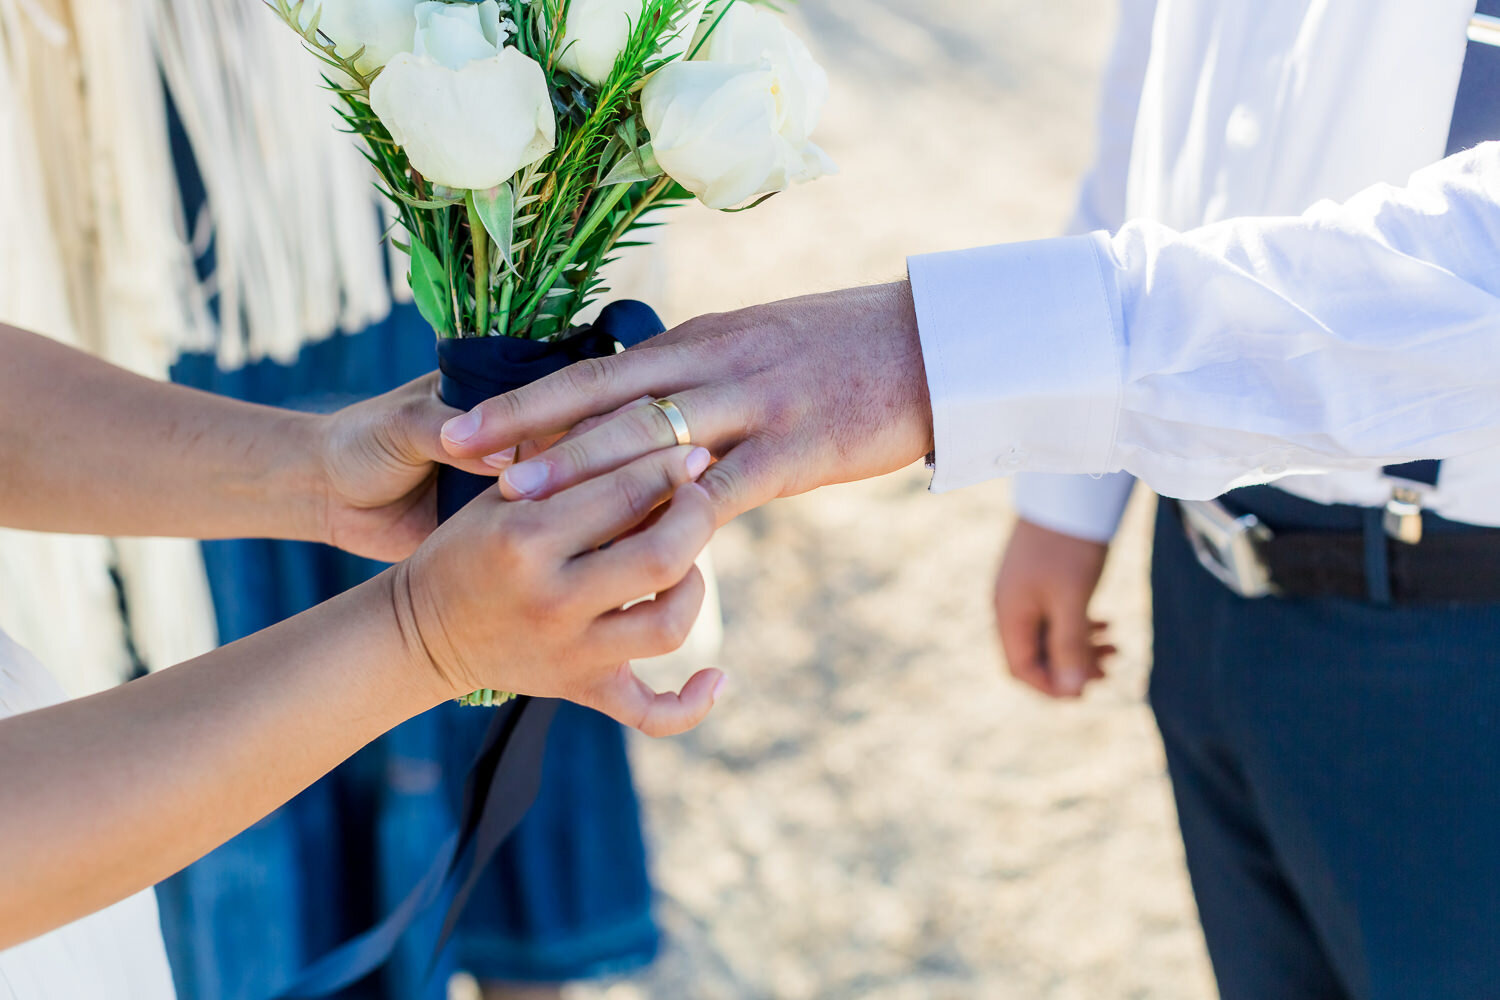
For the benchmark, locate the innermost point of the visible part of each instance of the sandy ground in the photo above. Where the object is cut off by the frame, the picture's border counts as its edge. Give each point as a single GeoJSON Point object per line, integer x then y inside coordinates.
{"type": "Point", "coordinates": [874, 811]}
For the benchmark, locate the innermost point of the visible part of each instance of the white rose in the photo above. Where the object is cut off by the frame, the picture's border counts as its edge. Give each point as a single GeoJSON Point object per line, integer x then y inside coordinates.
{"type": "Point", "coordinates": [597, 32]}
{"type": "Point", "coordinates": [468, 112]}
{"type": "Point", "coordinates": [456, 34]}
{"type": "Point", "coordinates": [383, 28]}
{"type": "Point", "coordinates": [736, 123]}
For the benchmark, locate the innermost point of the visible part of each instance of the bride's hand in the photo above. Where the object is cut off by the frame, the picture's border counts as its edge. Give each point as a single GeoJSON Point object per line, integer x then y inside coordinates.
{"type": "Point", "coordinates": [377, 474]}
{"type": "Point", "coordinates": [520, 596]}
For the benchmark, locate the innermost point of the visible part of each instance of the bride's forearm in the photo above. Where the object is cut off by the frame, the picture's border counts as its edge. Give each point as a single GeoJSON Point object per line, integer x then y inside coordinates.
{"type": "Point", "coordinates": [89, 448]}
{"type": "Point", "coordinates": [102, 797]}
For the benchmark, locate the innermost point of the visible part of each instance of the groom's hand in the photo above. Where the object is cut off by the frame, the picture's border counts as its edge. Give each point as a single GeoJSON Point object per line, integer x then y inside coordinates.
{"type": "Point", "coordinates": [1042, 596]}
{"type": "Point", "coordinates": [789, 397]}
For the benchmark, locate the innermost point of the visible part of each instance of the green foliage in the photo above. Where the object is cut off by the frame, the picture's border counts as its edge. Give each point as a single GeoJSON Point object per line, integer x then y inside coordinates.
{"type": "Point", "coordinates": [317, 44]}
{"type": "Point", "coordinates": [429, 287]}
{"type": "Point", "coordinates": [523, 259]}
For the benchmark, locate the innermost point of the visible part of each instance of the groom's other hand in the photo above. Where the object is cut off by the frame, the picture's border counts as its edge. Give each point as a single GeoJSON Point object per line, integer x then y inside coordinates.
{"type": "Point", "coordinates": [1042, 599]}
{"type": "Point", "coordinates": [789, 397]}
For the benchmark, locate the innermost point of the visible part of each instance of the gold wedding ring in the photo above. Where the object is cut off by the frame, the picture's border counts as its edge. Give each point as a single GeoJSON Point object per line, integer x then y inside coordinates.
{"type": "Point", "coordinates": [675, 418]}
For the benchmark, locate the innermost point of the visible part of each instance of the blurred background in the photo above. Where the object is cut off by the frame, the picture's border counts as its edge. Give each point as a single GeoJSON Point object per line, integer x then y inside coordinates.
{"type": "Point", "coordinates": [876, 810]}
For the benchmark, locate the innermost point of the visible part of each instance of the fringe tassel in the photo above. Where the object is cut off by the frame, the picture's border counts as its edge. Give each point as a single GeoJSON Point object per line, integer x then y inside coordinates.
{"type": "Point", "coordinates": [95, 253]}
{"type": "Point", "coordinates": [296, 218]}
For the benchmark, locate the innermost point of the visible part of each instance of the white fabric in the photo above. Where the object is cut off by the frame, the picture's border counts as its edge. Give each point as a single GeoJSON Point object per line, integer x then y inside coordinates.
{"type": "Point", "coordinates": [115, 954]}
{"type": "Point", "coordinates": [94, 252]}
{"type": "Point", "coordinates": [1237, 356]}
{"type": "Point", "coordinates": [1086, 507]}
{"type": "Point", "coordinates": [57, 257]}
{"type": "Point", "coordinates": [1091, 507]}
{"type": "Point", "coordinates": [1101, 197]}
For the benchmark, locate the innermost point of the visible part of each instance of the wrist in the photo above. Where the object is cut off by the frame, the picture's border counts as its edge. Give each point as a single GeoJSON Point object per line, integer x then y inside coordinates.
{"type": "Point", "coordinates": [903, 311]}
{"type": "Point", "coordinates": [267, 480]}
{"type": "Point", "coordinates": [423, 650]}
{"type": "Point", "coordinates": [308, 495]}
{"type": "Point", "coordinates": [424, 681]}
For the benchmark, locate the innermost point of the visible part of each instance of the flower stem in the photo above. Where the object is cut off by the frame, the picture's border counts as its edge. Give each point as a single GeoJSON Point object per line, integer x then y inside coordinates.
{"type": "Point", "coordinates": [481, 242]}
{"type": "Point", "coordinates": [585, 230]}
{"type": "Point", "coordinates": [622, 227]}
{"type": "Point", "coordinates": [507, 292]}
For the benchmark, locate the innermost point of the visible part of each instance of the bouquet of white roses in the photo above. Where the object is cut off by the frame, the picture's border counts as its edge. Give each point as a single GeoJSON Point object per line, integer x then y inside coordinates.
{"type": "Point", "coordinates": [522, 142]}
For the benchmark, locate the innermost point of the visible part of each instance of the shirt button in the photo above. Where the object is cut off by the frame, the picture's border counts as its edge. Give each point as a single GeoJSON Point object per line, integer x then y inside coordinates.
{"type": "Point", "coordinates": [1243, 130]}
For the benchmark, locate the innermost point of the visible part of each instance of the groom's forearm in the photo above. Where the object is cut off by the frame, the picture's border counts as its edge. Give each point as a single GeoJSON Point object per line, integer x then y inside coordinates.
{"type": "Point", "coordinates": [1357, 336]}
{"type": "Point", "coordinates": [92, 449]}
{"type": "Point", "coordinates": [788, 396]}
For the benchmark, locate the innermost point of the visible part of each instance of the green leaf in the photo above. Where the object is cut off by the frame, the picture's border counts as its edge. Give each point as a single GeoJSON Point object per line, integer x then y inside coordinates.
{"type": "Point", "coordinates": [424, 203]}
{"type": "Point", "coordinates": [635, 166]}
{"type": "Point", "coordinates": [497, 210]}
{"type": "Point", "coordinates": [429, 287]}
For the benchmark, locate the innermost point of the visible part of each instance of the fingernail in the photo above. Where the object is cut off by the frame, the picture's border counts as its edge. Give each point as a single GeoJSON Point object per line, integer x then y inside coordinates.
{"type": "Point", "coordinates": [719, 687]}
{"type": "Point", "coordinates": [1070, 681]}
{"type": "Point", "coordinates": [528, 477]}
{"type": "Point", "coordinates": [463, 427]}
{"type": "Point", "coordinates": [501, 460]}
{"type": "Point", "coordinates": [698, 460]}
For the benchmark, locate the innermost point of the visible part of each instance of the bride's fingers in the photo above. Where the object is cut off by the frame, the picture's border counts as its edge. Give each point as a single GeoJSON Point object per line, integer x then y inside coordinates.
{"type": "Point", "coordinates": [631, 702]}
{"type": "Point", "coordinates": [599, 511]}
{"type": "Point", "coordinates": [652, 628]}
{"type": "Point", "coordinates": [655, 627]}
{"type": "Point", "coordinates": [652, 560]}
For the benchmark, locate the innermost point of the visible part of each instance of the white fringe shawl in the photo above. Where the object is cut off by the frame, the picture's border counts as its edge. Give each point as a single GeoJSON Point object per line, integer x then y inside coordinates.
{"type": "Point", "coordinates": [94, 252]}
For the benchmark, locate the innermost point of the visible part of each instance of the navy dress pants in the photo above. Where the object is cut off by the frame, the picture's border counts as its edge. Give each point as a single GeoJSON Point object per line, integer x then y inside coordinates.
{"type": "Point", "coordinates": [1336, 766]}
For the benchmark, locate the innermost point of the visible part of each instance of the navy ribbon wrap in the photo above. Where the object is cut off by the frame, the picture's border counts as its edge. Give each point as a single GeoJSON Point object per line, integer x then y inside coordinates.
{"type": "Point", "coordinates": [506, 775]}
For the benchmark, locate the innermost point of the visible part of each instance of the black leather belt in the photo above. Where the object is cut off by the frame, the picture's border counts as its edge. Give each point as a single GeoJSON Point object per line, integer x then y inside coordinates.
{"type": "Point", "coordinates": [1257, 560]}
{"type": "Point", "coordinates": [1442, 569]}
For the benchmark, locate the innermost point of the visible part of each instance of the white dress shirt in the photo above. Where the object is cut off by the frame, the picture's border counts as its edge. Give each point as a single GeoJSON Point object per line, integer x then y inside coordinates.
{"type": "Point", "coordinates": [1290, 302]}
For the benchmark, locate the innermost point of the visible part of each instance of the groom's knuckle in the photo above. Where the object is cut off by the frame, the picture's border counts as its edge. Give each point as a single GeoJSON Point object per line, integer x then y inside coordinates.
{"type": "Point", "coordinates": [723, 481]}
{"type": "Point", "coordinates": [506, 409]}
{"type": "Point", "coordinates": [590, 377]}
{"type": "Point", "coordinates": [570, 457]}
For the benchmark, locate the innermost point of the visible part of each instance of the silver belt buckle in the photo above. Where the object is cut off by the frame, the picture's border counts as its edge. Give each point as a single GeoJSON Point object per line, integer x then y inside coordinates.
{"type": "Point", "coordinates": [1485, 29]}
{"type": "Point", "coordinates": [1226, 546]}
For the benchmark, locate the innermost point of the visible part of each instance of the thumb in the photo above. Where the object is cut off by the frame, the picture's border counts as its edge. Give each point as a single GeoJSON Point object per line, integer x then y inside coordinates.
{"type": "Point", "coordinates": [1070, 649]}
{"type": "Point", "coordinates": [414, 433]}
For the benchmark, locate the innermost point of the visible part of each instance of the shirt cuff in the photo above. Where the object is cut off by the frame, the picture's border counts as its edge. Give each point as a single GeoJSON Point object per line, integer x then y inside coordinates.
{"type": "Point", "coordinates": [1023, 358]}
{"type": "Point", "coordinates": [1081, 506]}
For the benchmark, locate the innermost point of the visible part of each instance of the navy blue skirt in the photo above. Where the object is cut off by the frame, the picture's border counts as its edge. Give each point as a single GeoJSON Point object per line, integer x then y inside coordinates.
{"type": "Point", "coordinates": [569, 896]}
